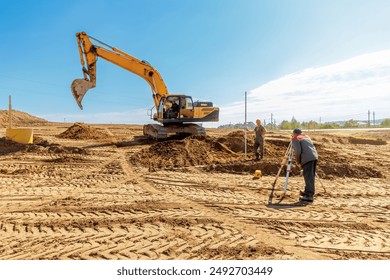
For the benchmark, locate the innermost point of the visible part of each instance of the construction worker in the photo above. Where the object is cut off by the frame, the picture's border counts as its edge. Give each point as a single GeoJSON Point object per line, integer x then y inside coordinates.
{"type": "Point", "coordinates": [260, 132]}
{"type": "Point", "coordinates": [306, 157]}
{"type": "Point", "coordinates": [175, 109]}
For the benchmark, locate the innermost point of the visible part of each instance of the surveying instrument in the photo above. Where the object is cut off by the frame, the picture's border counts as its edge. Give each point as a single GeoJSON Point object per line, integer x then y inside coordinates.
{"type": "Point", "coordinates": [287, 160]}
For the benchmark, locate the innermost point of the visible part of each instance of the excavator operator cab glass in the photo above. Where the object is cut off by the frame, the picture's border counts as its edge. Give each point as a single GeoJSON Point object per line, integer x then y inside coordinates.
{"type": "Point", "coordinates": [175, 107]}
{"type": "Point", "coordinates": [188, 103]}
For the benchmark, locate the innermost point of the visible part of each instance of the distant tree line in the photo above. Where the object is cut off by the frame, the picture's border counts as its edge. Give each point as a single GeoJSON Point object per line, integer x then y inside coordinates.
{"type": "Point", "coordinates": [310, 125]}
{"type": "Point", "coordinates": [330, 125]}
{"type": "Point", "coordinates": [385, 123]}
{"type": "Point", "coordinates": [249, 125]}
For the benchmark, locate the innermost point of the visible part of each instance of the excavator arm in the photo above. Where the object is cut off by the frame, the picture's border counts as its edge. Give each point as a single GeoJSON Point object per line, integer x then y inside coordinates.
{"type": "Point", "coordinates": [89, 54]}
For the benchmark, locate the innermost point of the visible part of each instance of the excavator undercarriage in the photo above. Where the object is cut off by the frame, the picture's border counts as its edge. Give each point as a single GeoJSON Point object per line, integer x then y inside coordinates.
{"type": "Point", "coordinates": [158, 131]}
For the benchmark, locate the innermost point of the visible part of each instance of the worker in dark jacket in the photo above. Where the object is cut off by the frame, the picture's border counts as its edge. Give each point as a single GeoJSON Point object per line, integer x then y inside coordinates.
{"type": "Point", "coordinates": [306, 156]}
{"type": "Point", "coordinates": [260, 132]}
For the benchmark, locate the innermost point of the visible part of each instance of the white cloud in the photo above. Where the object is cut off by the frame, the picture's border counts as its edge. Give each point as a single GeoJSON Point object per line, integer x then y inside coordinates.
{"type": "Point", "coordinates": [339, 91]}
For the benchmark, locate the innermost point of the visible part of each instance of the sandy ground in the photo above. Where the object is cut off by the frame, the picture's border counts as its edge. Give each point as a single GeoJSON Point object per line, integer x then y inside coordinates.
{"type": "Point", "coordinates": [107, 193]}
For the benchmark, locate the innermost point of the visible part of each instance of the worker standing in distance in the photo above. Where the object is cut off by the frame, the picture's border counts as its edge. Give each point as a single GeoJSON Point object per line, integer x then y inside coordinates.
{"type": "Point", "coordinates": [306, 157]}
{"type": "Point", "coordinates": [260, 132]}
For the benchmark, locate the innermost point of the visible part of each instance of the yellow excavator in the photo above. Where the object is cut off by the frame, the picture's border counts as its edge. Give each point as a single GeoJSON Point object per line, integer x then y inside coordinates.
{"type": "Point", "coordinates": [176, 113]}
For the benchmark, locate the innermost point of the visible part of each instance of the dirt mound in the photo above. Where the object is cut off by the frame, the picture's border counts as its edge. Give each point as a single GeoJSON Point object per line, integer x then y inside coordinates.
{"type": "Point", "coordinates": [368, 141]}
{"type": "Point", "coordinates": [39, 146]}
{"type": "Point", "coordinates": [194, 150]}
{"type": "Point", "coordinates": [222, 154]}
{"type": "Point", "coordinates": [348, 170]}
{"type": "Point", "coordinates": [7, 146]}
{"type": "Point", "coordinates": [226, 154]}
{"type": "Point", "coordinates": [20, 119]}
{"type": "Point", "coordinates": [235, 141]}
{"type": "Point", "coordinates": [81, 131]}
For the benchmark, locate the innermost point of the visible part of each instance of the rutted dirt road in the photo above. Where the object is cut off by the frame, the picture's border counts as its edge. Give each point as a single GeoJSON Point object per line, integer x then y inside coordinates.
{"type": "Point", "coordinates": [123, 197]}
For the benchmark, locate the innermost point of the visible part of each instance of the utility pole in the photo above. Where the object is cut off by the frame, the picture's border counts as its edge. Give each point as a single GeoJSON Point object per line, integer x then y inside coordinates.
{"type": "Point", "coordinates": [368, 122]}
{"type": "Point", "coordinates": [9, 112]}
{"type": "Point", "coordinates": [272, 123]}
{"type": "Point", "coordinates": [373, 117]}
{"type": "Point", "coordinates": [246, 128]}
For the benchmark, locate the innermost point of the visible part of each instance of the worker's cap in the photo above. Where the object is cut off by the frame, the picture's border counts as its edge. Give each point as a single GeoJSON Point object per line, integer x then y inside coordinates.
{"type": "Point", "coordinates": [297, 131]}
{"type": "Point", "coordinates": [258, 121]}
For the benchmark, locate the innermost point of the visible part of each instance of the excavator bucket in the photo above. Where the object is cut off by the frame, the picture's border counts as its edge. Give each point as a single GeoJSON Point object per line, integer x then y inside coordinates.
{"type": "Point", "coordinates": [79, 88]}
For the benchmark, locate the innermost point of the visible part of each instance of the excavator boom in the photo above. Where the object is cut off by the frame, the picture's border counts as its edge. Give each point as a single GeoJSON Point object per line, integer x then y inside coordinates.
{"type": "Point", "coordinates": [89, 53]}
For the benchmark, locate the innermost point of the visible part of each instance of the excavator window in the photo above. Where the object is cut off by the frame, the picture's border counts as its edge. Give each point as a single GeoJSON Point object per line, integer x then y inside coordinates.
{"type": "Point", "coordinates": [161, 108]}
{"type": "Point", "coordinates": [170, 107]}
{"type": "Point", "coordinates": [176, 107]}
{"type": "Point", "coordinates": [189, 104]}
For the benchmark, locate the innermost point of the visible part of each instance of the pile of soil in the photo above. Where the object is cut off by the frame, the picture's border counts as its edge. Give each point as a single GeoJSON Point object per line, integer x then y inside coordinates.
{"type": "Point", "coordinates": [7, 146]}
{"type": "Point", "coordinates": [81, 131]}
{"type": "Point", "coordinates": [368, 141]}
{"type": "Point", "coordinates": [329, 164]}
{"type": "Point", "coordinates": [194, 150]}
{"type": "Point", "coordinates": [20, 119]}
{"type": "Point", "coordinates": [236, 141]}
{"type": "Point", "coordinates": [39, 146]}
{"type": "Point", "coordinates": [226, 154]}
{"type": "Point", "coordinates": [222, 154]}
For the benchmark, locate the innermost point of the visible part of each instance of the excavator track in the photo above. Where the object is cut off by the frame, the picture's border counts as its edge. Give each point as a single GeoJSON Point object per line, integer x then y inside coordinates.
{"type": "Point", "coordinates": [157, 131]}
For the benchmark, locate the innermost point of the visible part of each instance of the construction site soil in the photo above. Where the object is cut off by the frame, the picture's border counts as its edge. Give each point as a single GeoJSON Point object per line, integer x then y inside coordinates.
{"type": "Point", "coordinates": [107, 192]}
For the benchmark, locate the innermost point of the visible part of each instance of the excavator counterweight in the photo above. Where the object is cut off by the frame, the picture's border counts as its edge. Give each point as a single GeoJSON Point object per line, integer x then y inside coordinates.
{"type": "Point", "coordinates": [176, 113]}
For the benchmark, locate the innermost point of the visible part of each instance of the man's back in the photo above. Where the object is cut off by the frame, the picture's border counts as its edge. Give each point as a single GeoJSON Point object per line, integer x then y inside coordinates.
{"type": "Point", "coordinates": [304, 149]}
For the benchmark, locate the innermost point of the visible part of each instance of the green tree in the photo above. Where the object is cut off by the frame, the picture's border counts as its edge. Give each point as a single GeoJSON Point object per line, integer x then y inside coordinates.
{"type": "Point", "coordinates": [385, 123]}
{"type": "Point", "coordinates": [351, 124]}
{"type": "Point", "coordinates": [309, 125]}
{"type": "Point", "coordinates": [329, 125]}
{"type": "Point", "coordinates": [285, 125]}
{"type": "Point", "coordinates": [294, 123]}
{"type": "Point", "coordinates": [289, 125]}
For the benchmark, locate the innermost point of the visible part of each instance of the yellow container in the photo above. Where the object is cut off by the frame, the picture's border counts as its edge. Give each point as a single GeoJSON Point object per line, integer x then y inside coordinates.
{"type": "Point", "coordinates": [258, 174]}
{"type": "Point", "coordinates": [20, 135]}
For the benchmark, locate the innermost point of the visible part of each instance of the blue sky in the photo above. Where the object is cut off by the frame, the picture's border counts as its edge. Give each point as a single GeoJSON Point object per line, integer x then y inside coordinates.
{"type": "Point", "coordinates": [292, 57]}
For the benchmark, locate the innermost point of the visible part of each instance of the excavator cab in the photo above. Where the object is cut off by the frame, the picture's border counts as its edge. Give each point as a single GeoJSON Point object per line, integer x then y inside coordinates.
{"type": "Point", "coordinates": [175, 109]}
{"type": "Point", "coordinates": [176, 112]}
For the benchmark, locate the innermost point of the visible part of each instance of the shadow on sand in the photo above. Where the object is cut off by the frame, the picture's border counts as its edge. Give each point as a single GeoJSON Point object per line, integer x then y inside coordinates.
{"type": "Point", "coordinates": [279, 205]}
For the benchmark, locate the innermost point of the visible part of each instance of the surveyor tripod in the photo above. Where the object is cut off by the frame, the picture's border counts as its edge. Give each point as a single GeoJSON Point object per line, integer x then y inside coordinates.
{"type": "Point", "coordinates": [287, 160]}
